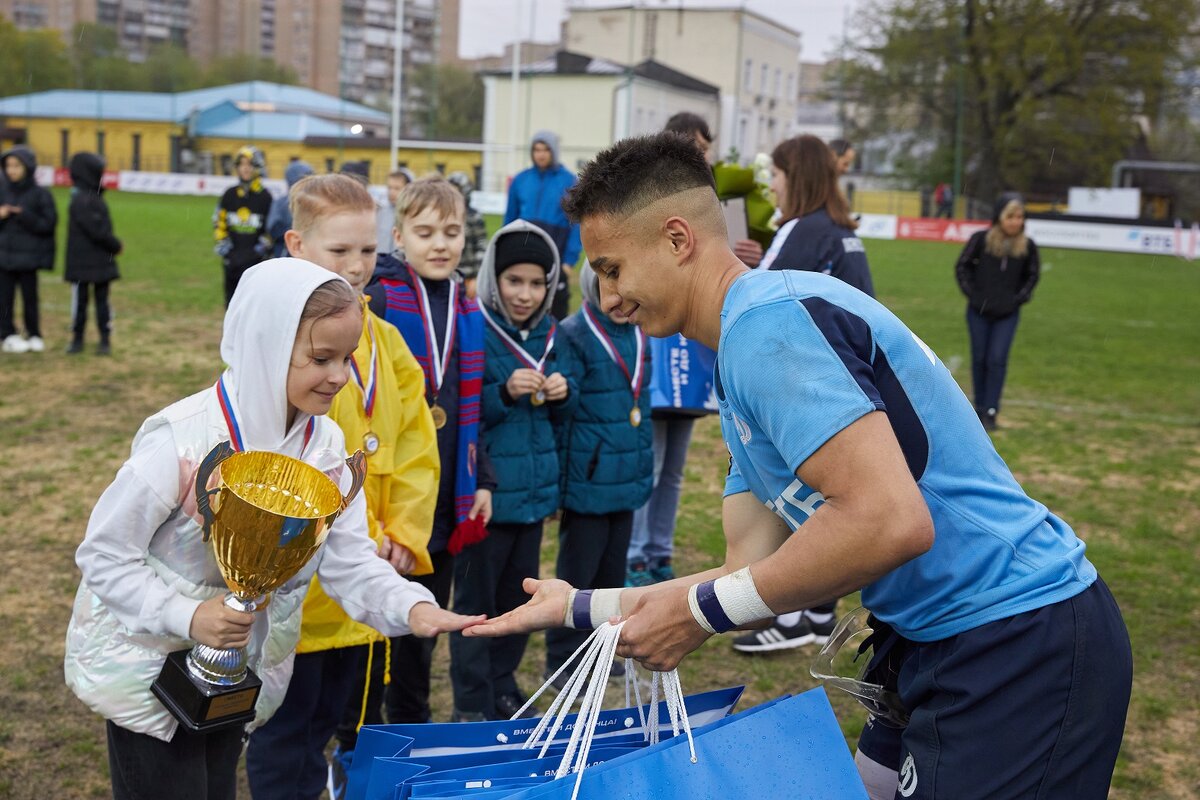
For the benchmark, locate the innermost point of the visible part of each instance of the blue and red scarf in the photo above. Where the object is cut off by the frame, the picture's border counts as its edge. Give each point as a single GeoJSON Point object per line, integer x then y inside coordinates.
{"type": "Point", "coordinates": [404, 311]}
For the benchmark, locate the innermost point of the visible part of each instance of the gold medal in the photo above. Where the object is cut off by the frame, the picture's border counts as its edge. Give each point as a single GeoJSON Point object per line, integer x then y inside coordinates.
{"type": "Point", "coordinates": [370, 443]}
{"type": "Point", "coordinates": [439, 416]}
{"type": "Point", "coordinates": [635, 417]}
{"type": "Point", "coordinates": [537, 398]}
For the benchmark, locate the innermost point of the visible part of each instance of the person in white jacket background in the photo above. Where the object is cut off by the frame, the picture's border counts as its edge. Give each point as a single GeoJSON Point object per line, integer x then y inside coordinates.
{"type": "Point", "coordinates": [151, 585]}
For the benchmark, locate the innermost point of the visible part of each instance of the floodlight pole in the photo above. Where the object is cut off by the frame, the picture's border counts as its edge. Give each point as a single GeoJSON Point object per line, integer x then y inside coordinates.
{"type": "Point", "coordinates": [397, 73]}
{"type": "Point", "coordinates": [513, 83]}
{"type": "Point", "coordinates": [958, 121]}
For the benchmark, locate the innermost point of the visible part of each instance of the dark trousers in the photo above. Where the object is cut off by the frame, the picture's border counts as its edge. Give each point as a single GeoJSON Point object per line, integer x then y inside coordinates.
{"type": "Point", "coordinates": [407, 694]}
{"type": "Point", "coordinates": [286, 757]}
{"type": "Point", "coordinates": [991, 340]}
{"type": "Point", "coordinates": [233, 274]}
{"type": "Point", "coordinates": [1031, 706]}
{"type": "Point", "coordinates": [79, 304]}
{"type": "Point", "coordinates": [591, 555]}
{"type": "Point", "coordinates": [487, 580]}
{"type": "Point", "coordinates": [28, 281]}
{"type": "Point", "coordinates": [192, 766]}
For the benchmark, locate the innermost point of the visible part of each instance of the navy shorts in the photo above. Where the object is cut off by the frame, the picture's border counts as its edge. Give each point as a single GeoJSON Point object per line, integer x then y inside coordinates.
{"type": "Point", "coordinates": [1032, 706]}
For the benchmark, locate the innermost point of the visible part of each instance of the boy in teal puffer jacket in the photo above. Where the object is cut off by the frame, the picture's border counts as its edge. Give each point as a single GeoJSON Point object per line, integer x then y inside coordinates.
{"type": "Point", "coordinates": [528, 388]}
{"type": "Point", "coordinates": [607, 452]}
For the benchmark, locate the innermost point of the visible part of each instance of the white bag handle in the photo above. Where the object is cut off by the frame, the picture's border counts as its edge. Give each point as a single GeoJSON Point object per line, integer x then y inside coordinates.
{"type": "Point", "coordinates": [598, 652]}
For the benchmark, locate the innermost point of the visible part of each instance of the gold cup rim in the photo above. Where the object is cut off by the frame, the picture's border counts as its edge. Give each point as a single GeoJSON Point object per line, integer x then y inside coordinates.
{"type": "Point", "coordinates": [314, 477]}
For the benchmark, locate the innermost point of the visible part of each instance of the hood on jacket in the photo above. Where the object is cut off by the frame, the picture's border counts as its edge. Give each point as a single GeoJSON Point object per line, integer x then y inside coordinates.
{"type": "Point", "coordinates": [1002, 201]}
{"type": "Point", "coordinates": [256, 342]}
{"type": "Point", "coordinates": [295, 171]}
{"type": "Point", "coordinates": [388, 267]}
{"type": "Point", "coordinates": [87, 172]}
{"type": "Point", "coordinates": [589, 285]}
{"type": "Point", "coordinates": [550, 139]}
{"type": "Point", "coordinates": [489, 285]}
{"type": "Point", "coordinates": [26, 157]}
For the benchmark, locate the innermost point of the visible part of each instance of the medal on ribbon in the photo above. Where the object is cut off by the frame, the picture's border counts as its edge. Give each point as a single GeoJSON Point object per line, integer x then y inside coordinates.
{"type": "Point", "coordinates": [634, 377]}
{"type": "Point", "coordinates": [538, 397]}
{"type": "Point", "coordinates": [438, 352]}
{"type": "Point", "coordinates": [235, 428]}
{"type": "Point", "coordinates": [368, 388]}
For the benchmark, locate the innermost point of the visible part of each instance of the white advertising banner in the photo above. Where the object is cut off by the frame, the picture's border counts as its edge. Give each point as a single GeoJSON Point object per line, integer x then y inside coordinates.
{"type": "Point", "coordinates": [183, 183]}
{"type": "Point", "coordinates": [1092, 202]}
{"type": "Point", "coordinates": [877, 226]}
{"type": "Point", "coordinates": [1098, 236]}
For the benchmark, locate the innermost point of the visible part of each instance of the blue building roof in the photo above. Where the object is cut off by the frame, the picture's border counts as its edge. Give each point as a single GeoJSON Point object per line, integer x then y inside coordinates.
{"type": "Point", "coordinates": [268, 110]}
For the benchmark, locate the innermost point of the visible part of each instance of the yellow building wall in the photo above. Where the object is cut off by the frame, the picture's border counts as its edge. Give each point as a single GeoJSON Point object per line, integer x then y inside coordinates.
{"type": "Point", "coordinates": [45, 137]}
{"type": "Point", "coordinates": [280, 154]}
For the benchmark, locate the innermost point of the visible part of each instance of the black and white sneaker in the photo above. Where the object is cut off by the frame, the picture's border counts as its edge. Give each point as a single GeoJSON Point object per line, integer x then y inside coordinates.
{"type": "Point", "coordinates": [784, 637]}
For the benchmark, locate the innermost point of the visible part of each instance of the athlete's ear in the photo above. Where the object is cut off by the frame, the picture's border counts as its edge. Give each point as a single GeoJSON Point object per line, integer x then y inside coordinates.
{"type": "Point", "coordinates": [680, 237]}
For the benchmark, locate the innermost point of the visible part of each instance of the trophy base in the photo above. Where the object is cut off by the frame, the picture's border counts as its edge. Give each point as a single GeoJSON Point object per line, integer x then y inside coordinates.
{"type": "Point", "coordinates": [200, 706]}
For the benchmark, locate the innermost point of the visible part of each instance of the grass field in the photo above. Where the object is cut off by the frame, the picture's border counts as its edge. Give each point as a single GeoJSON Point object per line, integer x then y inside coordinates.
{"type": "Point", "coordinates": [1101, 422]}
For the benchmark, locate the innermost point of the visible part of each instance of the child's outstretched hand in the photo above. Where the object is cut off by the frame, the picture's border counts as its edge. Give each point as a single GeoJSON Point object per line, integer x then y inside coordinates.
{"type": "Point", "coordinates": [546, 609]}
{"type": "Point", "coordinates": [555, 387]}
{"type": "Point", "coordinates": [217, 625]}
{"type": "Point", "coordinates": [427, 620]}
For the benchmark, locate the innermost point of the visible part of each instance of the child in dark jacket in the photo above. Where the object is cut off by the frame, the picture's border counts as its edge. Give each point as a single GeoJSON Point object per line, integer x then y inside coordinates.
{"type": "Point", "coordinates": [240, 219]}
{"type": "Point", "coordinates": [607, 453]}
{"type": "Point", "coordinates": [28, 218]}
{"type": "Point", "coordinates": [527, 388]}
{"type": "Point", "coordinates": [91, 250]}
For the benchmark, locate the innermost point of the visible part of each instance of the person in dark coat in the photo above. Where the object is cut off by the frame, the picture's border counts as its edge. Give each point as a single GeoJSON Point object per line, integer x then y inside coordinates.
{"type": "Point", "coordinates": [240, 219]}
{"type": "Point", "coordinates": [91, 250]}
{"type": "Point", "coordinates": [28, 218]}
{"type": "Point", "coordinates": [997, 271]}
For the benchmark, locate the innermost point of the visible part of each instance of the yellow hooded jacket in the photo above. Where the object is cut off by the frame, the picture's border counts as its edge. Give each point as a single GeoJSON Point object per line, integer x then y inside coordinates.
{"type": "Point", "coordinates": [402, 475]}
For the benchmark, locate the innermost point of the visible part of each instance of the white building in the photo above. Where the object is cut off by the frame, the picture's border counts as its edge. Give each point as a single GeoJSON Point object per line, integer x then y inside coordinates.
{"type": "Point", "coordinates": [589, 102]}
{"type": "Point", "coordinates": [752, 59]}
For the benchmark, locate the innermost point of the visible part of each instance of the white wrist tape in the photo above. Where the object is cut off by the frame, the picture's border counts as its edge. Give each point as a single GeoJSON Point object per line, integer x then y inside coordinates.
{"type": "Point", "coordinates": [591, 608]}
{"type": "Point", "coordinates": [728, 602]}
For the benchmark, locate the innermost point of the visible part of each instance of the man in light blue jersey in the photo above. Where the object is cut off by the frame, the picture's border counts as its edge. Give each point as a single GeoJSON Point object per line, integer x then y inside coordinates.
{"type": "Point", "coordinates": [857, 463]}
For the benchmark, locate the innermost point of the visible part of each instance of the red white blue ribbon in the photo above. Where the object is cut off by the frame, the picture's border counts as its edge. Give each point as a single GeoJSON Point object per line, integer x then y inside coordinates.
{"type": "Point", "coordinates": [635, 379]}
{"type": "Point", "coordinates": [517, 350]}
{"type": "Point", "coordinates": [371, 384]}
{"type": "Point", "coordinates": [235, 428]}
{"type": "Point", "coordinates": [438, 353]}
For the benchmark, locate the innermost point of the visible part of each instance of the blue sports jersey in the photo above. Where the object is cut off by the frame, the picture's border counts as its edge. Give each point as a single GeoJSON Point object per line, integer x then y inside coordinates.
{"type": "Point", "coordinates": [801, 357]}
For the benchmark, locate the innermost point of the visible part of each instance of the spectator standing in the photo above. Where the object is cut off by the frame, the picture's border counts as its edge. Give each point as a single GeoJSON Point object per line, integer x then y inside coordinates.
{"type": "Point", "coordinates": [943, 198]}
{"type": "Point", "coordinates": [28, 218]}
{"type": "Point", "coordinates": [536, 196]}
{"type": "Point", "coordinates": [240, 221]}
{"type": "Point", "coordinates": [997, 271]}
{"type": "Point", "coordinates": [92, 250]}
{"type": "Point", "coordinates": [397, 179]}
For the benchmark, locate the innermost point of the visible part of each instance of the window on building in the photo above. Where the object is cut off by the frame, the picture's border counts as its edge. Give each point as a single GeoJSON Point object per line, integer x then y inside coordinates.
{"type": "Point", "coordinates": [329, 165]}
{"type": "Point", "coordinates": [778, 81]}
{"type": "Point", "coordinates": [441, 168]}
{"type": "Point", "coordinates": [136, 158]}
{"type": "Point", "coordinates": [227, 164]}
{"type": "Point", "coordinates": [791, 86]}
{"type": "Point", "coordinates": [762, 82]}
{"type": "Point", "coordinates": [64, 146]}
{"type": "Point", "coordinates": [748, 75]}
{"type": "Point", "coordinates": [100, 143]}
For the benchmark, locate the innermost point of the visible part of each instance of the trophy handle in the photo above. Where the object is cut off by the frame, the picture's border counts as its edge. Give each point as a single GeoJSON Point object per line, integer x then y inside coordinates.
{"type": "Point", "coordinates": [358, 472]}
{"type": "Point", "coordinates": [215, 456]}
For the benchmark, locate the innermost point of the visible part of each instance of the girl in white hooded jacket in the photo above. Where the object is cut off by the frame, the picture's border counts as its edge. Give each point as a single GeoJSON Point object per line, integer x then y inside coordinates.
{"type": "Point", "coordinates": [151, 585]}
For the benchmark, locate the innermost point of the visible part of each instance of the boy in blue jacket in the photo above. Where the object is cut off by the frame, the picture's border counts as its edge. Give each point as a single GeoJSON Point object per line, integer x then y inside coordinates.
{"type": "Point", "coordinates": [527, 389]}
{"type": "Point", "coordinates": [607, 452]}
{"type": "Point", "coordinates": [536, 196]}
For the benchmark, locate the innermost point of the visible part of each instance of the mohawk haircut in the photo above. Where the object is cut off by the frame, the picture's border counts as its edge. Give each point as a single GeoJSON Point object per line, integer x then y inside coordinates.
{"type": "Point", "coordinates": [636, 172]}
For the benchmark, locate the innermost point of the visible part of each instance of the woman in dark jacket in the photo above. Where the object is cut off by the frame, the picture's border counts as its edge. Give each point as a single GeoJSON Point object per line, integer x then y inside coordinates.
{"type": "Point", "coordinates": [817, 232]}
{"type": "Point", "coordinates": [997, 272]}
{"type": "Point", "coordinates": [91, 249]}
{"type": "Point", "coordinates": [27, 221]}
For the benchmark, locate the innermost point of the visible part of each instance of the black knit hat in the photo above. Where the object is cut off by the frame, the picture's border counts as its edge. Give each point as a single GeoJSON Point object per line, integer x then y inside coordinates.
{"type": "Point", "coordinates": [524, 247]}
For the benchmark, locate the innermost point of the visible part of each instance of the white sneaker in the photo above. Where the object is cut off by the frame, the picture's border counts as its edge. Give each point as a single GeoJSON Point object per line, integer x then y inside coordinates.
{"type": "Point", "coordinates": [15, 344]}
{"type": "Point", "coordinates": [35, 344]}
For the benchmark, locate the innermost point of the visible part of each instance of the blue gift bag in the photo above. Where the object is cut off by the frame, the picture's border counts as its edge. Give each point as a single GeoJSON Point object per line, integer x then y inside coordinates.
{"type": "Point", "coordinates": [387, 751]}
{"type": "Point", "coordinates": [792, 748]}
{"type": "Point", "coordinates": [681, 376]}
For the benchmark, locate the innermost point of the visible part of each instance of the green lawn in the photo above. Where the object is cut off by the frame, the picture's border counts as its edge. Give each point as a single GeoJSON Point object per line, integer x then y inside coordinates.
{"type": "Point", "coordinates": [1101, 421]}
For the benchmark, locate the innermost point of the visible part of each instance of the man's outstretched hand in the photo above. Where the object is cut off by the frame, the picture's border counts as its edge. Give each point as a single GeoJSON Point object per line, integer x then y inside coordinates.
{"type": "Point", "coordinates": [546, 609]}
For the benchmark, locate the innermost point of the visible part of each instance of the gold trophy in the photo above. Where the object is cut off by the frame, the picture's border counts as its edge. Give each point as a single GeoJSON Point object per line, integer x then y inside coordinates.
{"type": "Point", "coordinates": [267, 517]}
